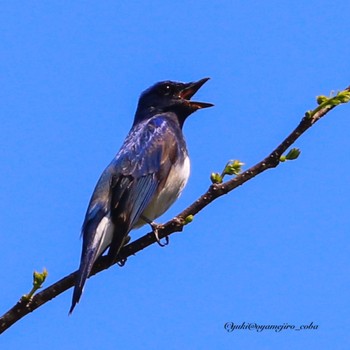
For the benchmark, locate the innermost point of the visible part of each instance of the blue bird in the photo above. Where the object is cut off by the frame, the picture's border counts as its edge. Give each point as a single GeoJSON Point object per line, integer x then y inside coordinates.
{"type": "Point", "coordinates": [144, 179]}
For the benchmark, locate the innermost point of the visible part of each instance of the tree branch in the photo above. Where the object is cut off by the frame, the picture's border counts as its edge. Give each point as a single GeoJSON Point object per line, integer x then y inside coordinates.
{"type": "Point", "coordinates": [216, 190]}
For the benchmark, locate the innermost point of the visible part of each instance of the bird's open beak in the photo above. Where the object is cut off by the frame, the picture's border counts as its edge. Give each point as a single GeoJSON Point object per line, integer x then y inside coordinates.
{"type": "Point", "coordinates": [189, 90]}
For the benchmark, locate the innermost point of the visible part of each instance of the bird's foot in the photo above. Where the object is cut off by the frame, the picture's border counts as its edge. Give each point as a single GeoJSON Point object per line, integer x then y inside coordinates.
{"type": "Point", "coordinates": [155, 227]}
{"type": "Point", "coordinates": [113, 256]}
{"type": "Point", "coordinates": [122, 262]}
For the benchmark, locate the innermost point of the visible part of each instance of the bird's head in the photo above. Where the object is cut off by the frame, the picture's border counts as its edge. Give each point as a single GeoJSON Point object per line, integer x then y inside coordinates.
{"type": "Point", "coordinates": [170, 96]}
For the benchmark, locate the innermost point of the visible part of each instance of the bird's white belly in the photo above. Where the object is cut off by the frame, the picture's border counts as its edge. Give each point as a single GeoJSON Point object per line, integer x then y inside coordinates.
{"type": "Point", "coordinates": [172, 189]}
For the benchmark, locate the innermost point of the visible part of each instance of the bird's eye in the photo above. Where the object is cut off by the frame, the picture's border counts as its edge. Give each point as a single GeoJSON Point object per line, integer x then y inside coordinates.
{"type": "Point", "coordinates": [167, 89]}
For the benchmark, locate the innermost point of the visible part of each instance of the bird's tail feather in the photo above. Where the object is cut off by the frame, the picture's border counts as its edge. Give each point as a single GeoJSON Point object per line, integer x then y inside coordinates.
{"type": "Point", "coordinates": [99, 229]}
{"type": "Point", "coordinates": [83, 273]}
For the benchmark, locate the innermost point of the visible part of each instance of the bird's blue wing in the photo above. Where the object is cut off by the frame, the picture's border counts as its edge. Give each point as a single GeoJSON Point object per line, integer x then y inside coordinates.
{"type": "Point", "coordinates": [144, 162]}
{"type": "Point", "coordinates": [123, 192]}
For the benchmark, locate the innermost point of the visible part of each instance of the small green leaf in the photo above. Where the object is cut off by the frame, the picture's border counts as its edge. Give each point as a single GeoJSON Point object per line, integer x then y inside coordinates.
{"type": "Point", "coordinates": [321, 99]}
{"type": "Point", "coordinates": [38, 279]}
{"type": "Point", "coordinates": [233, 167]}
{"type": "Point", "coordinates": [216, 178]}
{"type": "Point", "coordinates": [343, 96]}
{"type": "Point", "coordinates": [291, 155]}
{"type": "Point", "coordinates": [189, 219]}
{"type": "Point", "coordinates": [308, 114]}
{"type": "Point", "coordinates": [328, 102]}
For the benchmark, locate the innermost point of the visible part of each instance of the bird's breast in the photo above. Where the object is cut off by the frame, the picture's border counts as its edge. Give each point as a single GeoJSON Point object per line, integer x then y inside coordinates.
{"type": "Point", "coordinates": [169, 191]}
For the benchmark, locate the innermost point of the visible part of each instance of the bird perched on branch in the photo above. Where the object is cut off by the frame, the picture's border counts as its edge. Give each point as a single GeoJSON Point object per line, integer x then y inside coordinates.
{"type": "Point", "coordinates": [144, 179]}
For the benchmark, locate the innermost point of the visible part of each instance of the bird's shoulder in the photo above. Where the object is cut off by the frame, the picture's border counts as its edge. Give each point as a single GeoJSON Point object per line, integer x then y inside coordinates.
{"type": "Point", "coordinates": [155, 130]}
{"type": "Point", "coordinates": [148, 145]}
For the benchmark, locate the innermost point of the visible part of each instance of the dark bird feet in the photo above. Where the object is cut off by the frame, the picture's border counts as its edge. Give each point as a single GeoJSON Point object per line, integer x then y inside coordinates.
{"type": "Point", "coordinates": [113, 256]}
{"type": "Point", "coordinates": [155, 227]}
{"type": "Point", "coordinates": [122, 262]}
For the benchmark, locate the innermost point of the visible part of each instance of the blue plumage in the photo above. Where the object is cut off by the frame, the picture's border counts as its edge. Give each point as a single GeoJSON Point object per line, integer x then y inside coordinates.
{"type": "Point", "coordinates": [145, 177]}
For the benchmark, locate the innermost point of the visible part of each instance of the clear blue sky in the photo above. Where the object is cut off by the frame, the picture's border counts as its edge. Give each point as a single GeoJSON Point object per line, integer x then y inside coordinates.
{"type": "Point", "coordinates": [275, 251]}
